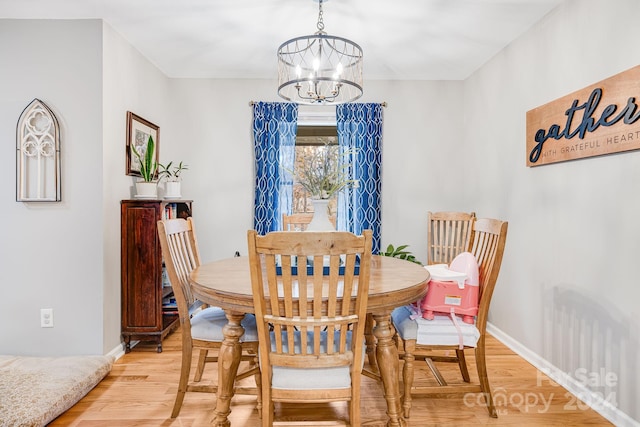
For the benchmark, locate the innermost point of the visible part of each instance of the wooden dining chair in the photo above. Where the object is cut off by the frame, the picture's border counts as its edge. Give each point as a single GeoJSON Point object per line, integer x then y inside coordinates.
{"type": "Point", "coordinates": [448, 234]}
{"type": "Point", "coordinates": [296, 222]}
{"type": "Point", "coordinates": [200, 325]}
{"type": "Point", "coordinates": [311, 338]}
{"type": "Point", "coordinates": [300, 221]}
{"type": "Point", "coordinates": [422, 339]}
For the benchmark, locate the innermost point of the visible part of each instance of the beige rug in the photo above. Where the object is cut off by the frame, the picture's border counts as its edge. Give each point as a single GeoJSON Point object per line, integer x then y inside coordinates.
{"type": "Point", "coordinates": [35, 390]}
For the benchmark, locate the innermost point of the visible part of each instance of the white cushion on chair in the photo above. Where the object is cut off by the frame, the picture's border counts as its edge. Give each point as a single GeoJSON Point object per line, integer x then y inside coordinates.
{"type": "Point", "coordinates": [311, 378]}
{"type": "Point", "coordinates": [439, 331]}
{"type": "Point", "coordinates": [207, 325]}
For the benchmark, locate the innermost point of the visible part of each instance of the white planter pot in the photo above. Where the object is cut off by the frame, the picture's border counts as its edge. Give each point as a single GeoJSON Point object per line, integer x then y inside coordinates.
{"type": "Point", "coordinates": [147, 190]}
{"type": "Point", "coordinates": [320, 221]}
{"type": "Point", "coordinates": [172, 190]}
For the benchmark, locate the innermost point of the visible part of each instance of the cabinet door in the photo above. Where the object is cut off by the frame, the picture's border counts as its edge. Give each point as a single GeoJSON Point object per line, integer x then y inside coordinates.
{"type": "Point", "coordinates": [142, 268]}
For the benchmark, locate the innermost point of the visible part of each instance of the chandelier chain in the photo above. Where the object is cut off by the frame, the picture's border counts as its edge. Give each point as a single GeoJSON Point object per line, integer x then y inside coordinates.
{"type": "Point", "coordinates": [320, 24]}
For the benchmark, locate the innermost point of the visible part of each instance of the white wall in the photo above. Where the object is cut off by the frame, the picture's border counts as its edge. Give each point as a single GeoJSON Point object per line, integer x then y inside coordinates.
{"type": "Point", "coordinates": [52, 253]}
{"type": "Point", "coordinates": [130, 83]}
{"type": "Point", "coordinates": [568, 290]}
{"type": "Point", "coordinates": [421, 141]}
{"type": "Point", "coordinates": [67, 255]}
{"type": "Point", "coordinates": [213, 136]}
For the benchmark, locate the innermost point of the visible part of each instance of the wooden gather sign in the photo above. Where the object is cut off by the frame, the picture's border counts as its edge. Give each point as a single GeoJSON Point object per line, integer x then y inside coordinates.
{"type": "Point", "coordinates": [600, 119]}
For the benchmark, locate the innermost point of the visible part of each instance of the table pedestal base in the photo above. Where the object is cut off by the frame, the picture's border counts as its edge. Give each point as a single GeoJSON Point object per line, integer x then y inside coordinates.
{"type": "Point", "coordinates": [228, 362]}
{"type": "Point", "coordinates": [388, 366]}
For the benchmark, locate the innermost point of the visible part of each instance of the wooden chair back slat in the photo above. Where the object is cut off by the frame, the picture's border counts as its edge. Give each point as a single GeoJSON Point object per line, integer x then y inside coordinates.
{"type": "Point", "coordinates": [487, 245]}
{"type": "Point", "coordinates": [179, 244]}
{"type": "Point", "coordinates": [448, 234]}
{"type": "Point", "coordinates": [300, 221]}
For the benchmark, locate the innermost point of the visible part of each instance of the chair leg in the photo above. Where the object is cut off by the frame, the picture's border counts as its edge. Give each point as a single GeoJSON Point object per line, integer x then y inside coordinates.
{"type": "Point", "coordinates": [407, 375]}
{"type": "Point", "coordinates": [258, 378]}
{"type": "Point", "coordinates": [484, 378]}
{"type": "Point", "coordinates": [371, 342]}
{"type": "Point", "coordinates": [434, 370]}
{"type": "Point", "coordinates": [354, 403]}
{"type": "Point", "coordinates": [184, 380]}
{"type": "Point", "coordinates": [268, 409]}
{"type": "Point", "coordinates": [462, 363]}
{"type": "Point", "coordinates": [202, 360]}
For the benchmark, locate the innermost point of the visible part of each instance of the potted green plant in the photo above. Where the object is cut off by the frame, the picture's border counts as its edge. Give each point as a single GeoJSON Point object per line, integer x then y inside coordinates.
{"type": "Point", "coordinates": [172, 175]}
{"type": "Point", "coordinates": [147, 187]}
{"type": "Point", "coordinates": [323, 174]}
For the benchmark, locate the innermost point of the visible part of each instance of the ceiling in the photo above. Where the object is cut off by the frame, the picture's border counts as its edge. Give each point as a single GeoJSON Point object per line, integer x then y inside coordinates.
{"type": "Point", "coordinates": [401, 39]}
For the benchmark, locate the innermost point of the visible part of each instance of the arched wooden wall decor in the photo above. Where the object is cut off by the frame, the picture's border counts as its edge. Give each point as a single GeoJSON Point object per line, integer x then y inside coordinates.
{"type": "Point", "coordinates": [38, 155]}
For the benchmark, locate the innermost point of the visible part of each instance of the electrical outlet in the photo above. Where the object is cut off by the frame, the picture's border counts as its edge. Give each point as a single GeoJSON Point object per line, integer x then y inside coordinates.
{"type": "Point", "coordinates": [46, 317]}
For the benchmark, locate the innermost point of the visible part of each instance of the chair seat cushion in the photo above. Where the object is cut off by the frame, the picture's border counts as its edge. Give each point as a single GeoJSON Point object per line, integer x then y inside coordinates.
{"type": "Point", "coordinates": [311, 378]}
{"type": "Point", "coordinates": [439, 331]}
{"type": "Point", "coordinates": [207, 325]}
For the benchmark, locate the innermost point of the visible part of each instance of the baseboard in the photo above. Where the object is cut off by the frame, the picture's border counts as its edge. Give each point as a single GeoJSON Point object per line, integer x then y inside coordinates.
{"type": "Point", "coordinates": [593, 400]}
{"type": "Point", "coordinates": [117, 352]}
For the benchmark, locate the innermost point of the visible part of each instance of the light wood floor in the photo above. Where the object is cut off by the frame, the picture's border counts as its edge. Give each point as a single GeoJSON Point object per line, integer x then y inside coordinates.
{"type": "Point", "coordinates": [141, 388]}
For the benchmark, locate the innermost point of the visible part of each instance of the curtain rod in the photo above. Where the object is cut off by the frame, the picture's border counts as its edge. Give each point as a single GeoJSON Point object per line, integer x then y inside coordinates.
{"type": "Point", "coordinates": [252, 103]}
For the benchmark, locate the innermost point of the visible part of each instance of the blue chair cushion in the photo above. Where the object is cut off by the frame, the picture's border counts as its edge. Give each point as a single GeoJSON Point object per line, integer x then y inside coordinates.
{"type": "Point", "coordinates": [439, 331]}
{"type": "Point", "coordinates": [207, 325]}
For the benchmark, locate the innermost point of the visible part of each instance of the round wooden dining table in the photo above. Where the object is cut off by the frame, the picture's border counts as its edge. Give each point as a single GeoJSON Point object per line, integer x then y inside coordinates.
{"type": "Point", "coordinates": [393, 283]}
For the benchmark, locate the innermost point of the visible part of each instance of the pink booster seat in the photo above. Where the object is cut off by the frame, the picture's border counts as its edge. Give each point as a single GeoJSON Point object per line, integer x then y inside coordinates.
{"type": "Point", "coordinates": [453, 288]}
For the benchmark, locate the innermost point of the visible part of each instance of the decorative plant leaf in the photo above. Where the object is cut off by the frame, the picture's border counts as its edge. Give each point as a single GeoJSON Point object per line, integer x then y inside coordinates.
{"type": "Point", "coordinates": [147, 165]}
{"type": "Point", "coordinates": [400, 253]}
{"type": "Point", "coordinates": [325, 171]}
{"type": "Point", "coordinates": [170, 172]}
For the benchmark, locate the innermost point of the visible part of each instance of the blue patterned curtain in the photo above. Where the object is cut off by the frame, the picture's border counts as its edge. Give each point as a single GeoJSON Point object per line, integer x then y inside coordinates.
{"type": "Point", "coordinates": [274, 137]}
{"type": "Point", "coordinates": [360, 135]}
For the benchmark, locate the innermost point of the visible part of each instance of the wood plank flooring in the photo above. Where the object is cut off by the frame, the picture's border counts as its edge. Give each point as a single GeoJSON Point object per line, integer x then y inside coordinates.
{"type": "Point", "coordinates": [140, 391]}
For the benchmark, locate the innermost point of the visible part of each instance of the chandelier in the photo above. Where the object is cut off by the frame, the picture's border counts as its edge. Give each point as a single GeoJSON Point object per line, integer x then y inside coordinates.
{"type": "Point", "coordinates": [320, 68]}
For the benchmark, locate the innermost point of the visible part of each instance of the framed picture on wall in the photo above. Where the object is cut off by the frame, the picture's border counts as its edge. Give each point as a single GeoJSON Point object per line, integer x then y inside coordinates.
{"type": "Point", "coordinates": [138, 132]}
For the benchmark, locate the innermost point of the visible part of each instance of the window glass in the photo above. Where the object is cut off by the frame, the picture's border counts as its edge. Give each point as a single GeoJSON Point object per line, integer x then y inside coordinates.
{"type": "Point", "coordinates": [309, 140]}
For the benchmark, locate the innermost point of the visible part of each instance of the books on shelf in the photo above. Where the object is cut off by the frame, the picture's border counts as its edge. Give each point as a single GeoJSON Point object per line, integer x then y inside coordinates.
{"type": "Point", "coordinates": [171, 211]}
{"type": "Point", "coordinates": [176, 210]}
{"type": "Point", "coordinates": [169, 302]}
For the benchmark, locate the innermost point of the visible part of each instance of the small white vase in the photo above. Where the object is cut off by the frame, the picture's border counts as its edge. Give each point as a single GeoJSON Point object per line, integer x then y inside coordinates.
{"type": "Point", "coordinates": [172, 189]}
{"type": "Point", "coordinates": [147, 190]}
{"type": "Point", "coordinates": [320, 220]}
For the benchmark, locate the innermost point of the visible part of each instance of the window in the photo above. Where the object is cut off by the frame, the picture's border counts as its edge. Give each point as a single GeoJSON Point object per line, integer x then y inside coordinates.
{"type": "Point", "coordinates": [359, 127]}
{"type": "Point", "coordinates": [309, 140]}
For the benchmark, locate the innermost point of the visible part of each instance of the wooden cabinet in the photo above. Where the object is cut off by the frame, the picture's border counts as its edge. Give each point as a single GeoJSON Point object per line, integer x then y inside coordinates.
{"type": "Point", "coordinates": [147, 313]}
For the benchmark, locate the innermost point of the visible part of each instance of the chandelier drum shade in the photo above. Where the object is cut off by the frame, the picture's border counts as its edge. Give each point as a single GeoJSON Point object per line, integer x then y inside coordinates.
{"type": "Point", "coordinates": [320, 68]}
